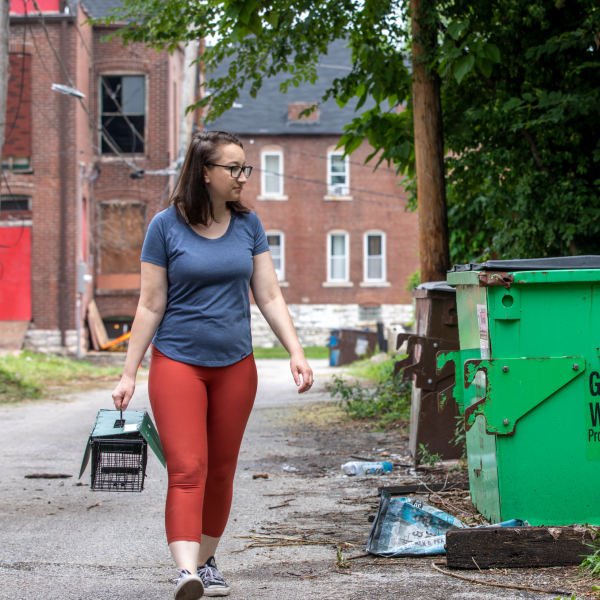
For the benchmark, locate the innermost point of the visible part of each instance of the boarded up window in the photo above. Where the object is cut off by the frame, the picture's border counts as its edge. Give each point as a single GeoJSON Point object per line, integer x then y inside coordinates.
{"type": "Point", "coordinates": [122, 230]}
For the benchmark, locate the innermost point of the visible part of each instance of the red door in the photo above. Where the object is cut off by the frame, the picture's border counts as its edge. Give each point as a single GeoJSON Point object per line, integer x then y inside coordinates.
{"type": "Point", "coordinates": [15, 274]}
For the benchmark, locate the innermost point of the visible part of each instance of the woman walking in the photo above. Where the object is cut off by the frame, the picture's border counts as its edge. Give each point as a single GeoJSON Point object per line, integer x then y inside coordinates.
{"type": "Point", "coordinates": [200, 257]}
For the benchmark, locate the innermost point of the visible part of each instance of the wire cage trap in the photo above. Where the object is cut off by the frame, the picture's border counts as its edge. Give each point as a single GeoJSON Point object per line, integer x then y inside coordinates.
{"type": "Point", "coordinates": [118, 448]}
{"type": "Point", "coordinates": [119, 465]}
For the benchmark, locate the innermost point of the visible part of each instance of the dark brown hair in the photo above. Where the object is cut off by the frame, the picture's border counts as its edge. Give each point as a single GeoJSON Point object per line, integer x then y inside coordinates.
{"type": "Point", "coordinates": [191, 196]}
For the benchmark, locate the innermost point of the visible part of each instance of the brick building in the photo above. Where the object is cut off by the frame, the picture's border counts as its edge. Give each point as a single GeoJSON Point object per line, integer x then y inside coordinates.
{"type": "Point", "coordinates": [341, 238]}
{"type": "Point", "coordinates": [73, 195]}
{"type": "Point", "coordinates": [74, 198]}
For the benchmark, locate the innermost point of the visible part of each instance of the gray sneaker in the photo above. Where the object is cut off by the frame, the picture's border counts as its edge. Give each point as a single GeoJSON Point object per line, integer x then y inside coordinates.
{"type": "Point", "coordinates": [214, 584]}
{"type": "Point", "coordinates": [189, 587]}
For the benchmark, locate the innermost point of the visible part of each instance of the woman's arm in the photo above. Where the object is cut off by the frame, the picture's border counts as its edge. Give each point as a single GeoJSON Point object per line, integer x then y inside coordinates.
{"type": "Point", "coordinates": [268, 298]}
{"type": "Point", "coordinates": [149, 314]}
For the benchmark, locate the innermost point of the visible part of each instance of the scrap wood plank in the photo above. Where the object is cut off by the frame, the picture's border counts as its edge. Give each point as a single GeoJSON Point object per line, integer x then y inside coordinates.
{"type": "Point", "coordinates": [97, 325]}
{"type": "Point", "coordinates": [418, 488]}
{"type": "Point", "coordinates": [506, 547]}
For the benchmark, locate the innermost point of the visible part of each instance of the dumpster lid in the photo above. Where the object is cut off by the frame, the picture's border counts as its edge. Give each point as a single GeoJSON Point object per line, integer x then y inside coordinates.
{"type": "Point", "coordinates": [533, 264]}
{"type": "Point", "coordinates": [436, 285]}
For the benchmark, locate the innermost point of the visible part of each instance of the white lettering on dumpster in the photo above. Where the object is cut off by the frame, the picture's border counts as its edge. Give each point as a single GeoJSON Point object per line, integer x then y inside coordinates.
{"type": "Point", "coordinates": [484, 337]}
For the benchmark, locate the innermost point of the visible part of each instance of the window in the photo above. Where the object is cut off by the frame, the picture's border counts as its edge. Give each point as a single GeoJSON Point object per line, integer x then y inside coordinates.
{"type": "Point", "coordinates": [272, 174]}
{"type": "Point", "coordinates": [338, 176]}
{"type": "Point", "coordinates": [14, 203]}
{"type": "Point", "coordinates": [123, 112]}
{"type": "Point", "coordinates": [122, 229]}
{"type": "Point", "coordinates": [16, 163]}
{"type": "Point", "coordinates": [275, 241]}
{"type": "Point", "coordinates": [369, 314]}
{"type": "Point", "coordinates": [375, 257]}
{"type": "Point", "coordinates": [338, 255]}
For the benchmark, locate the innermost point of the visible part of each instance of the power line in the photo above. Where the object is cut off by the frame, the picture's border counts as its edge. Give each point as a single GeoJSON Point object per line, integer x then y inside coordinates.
{"type": "Point", "coordinates": [351, 162]}
{"type": "Point", "coordinates": [107, 137]}
{"type": "Point", "coordinates": [318, 182]}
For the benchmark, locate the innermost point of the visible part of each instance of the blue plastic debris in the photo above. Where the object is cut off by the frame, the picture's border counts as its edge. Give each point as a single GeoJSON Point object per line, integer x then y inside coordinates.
{"type": "Point", "coordinates": [410, 527]}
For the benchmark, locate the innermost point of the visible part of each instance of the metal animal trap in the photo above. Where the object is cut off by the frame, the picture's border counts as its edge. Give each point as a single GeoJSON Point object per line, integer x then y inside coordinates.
{"type": "Point", "coordinates": [119, 450]}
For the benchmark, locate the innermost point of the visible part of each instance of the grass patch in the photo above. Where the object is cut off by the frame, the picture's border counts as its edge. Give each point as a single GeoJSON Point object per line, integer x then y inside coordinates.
{"type": "Point", "coordinates": [365, 369]}
{"type": "Point", "coordinates": [375, 395]}
{"type": "Point", "coordinates": [281, 352]}
{"type": "Point", "coordinates": [29, 375]}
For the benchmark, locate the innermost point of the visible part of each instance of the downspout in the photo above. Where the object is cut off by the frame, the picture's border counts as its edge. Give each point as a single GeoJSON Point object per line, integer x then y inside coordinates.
{"type": "Point", "coordinates": [62, 282]}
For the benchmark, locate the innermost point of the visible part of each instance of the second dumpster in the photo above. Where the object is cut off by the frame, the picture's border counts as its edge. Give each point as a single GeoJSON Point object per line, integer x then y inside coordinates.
{"type": "Point", "coordinates": [436, 329]}
{"type": "Point", "coordinates": [528, 383]}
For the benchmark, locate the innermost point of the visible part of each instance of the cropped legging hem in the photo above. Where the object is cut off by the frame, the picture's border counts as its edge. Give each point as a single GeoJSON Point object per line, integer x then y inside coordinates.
{"type": "Point", "coordinates": [201, 415]}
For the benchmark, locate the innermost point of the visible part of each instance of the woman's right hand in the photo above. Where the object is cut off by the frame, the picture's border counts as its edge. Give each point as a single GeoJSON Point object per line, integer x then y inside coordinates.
{"type": "Point", "coordinates": [123, 392]}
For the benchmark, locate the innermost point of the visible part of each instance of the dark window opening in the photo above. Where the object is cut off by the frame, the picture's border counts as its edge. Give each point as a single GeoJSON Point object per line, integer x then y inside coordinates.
{"type": "Point", "coordinates": [123, 113]}
{"type": "Point", "coordinates": [15, 204]}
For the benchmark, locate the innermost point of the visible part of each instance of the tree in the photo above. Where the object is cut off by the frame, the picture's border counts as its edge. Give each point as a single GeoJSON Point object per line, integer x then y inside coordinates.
{"type": "Point", "coordinates": [517, 82]}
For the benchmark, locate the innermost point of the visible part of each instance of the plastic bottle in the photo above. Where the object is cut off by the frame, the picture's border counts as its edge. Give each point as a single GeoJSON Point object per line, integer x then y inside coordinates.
{"type": "Point", "coordinates": [366, 468]}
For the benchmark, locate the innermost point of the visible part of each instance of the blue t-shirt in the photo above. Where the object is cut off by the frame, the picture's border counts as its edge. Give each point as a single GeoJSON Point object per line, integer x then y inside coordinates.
{"type": "Point", "coordinates": [207, 319]}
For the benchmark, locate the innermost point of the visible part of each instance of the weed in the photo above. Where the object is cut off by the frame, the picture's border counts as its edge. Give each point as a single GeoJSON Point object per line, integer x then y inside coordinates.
{"type": "Point", "coordinates": [460, 436]}
{"type": "Point", "coordinates": [591, 564]}
{"type": "Point", "coordinates": [387, 398]}
{"type": "Point", "coordinates": [413, 280]}
{"type": "Point", "coordinates": [426, 458]}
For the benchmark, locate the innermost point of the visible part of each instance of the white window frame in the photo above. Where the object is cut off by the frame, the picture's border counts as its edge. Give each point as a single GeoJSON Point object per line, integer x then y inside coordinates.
{"type": "Point", "coordinates": [366, 277]}
{"type": "Point", "coordinates": [279, 272]}
{"type": "Point", "coordinates": [263, 184]}
{"type": "Point", "coordinates": [332, 189]}
{"type": "Point", "coordinates": [346, 278]}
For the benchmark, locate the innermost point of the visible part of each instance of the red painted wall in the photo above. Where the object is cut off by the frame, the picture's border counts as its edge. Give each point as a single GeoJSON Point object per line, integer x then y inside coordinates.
{"type": "Point", "coordinates": [18, 6]}
{"type": "Point", "coordinates": [15, 274]}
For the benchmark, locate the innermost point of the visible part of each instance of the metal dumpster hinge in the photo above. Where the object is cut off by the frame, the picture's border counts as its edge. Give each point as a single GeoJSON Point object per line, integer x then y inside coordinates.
{"type": "Point", "coordinates": [514, 386]}
{"type": "Point", "coordinates": [490, 278]}
{"type": "Point", "coordinates": [426, 375]}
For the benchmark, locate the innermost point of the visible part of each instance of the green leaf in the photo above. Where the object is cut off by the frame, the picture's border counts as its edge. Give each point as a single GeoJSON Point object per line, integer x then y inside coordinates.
{"type": "Point", "coordinates": [484, 65]}
{"type": "Point", "coordinates": [463, 66]}
{"type": "Point", "coordinates": [456, 28]}
{"type": "Point", "coordinates": [512, 104]}
{"type": "Point", "coordinates": [491, 52]}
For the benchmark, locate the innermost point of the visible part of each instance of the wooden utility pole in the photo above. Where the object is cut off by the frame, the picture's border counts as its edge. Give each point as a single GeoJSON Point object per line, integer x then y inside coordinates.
{"type": "Point", "coordinates": [429, 154]}
{"type": "Point", "coordinates": [4, 69]}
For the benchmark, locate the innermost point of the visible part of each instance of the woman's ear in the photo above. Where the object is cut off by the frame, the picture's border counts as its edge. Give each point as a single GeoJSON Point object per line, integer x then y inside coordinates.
{"type": "Point", "coordinates": [205, 171]}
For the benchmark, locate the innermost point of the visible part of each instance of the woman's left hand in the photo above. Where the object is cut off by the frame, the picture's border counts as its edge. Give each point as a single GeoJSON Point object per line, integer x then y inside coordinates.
{"type": "Point", "coordinates": [301, 369]}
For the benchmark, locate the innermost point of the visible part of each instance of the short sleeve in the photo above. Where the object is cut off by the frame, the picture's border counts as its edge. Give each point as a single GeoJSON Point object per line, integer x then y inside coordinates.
{"type": "Point", "coordinates": [260, 238]}
{"type": "Point", "coordinates": [154, 249]}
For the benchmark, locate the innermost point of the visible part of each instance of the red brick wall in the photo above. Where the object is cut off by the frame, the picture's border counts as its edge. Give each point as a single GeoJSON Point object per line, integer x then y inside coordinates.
{"type": "Point", "coordinates": [18, 107]}
{"type": "Point", "coordinates": [163, 74]}
{"type": "Point", "coordinates": [305, 219]}
{"type": "Point", "coordinates": [113, 182]}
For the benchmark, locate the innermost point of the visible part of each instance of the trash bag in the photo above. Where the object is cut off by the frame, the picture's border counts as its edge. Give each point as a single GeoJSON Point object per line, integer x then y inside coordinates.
{"type": "Point", "coordinates": [411, 527]}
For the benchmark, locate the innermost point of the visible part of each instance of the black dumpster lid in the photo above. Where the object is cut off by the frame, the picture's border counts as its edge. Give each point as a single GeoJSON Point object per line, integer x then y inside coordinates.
{"type": "Point", "coordinates": [436, 285]}
{"type": "Point", "coordinates": [558, 263]}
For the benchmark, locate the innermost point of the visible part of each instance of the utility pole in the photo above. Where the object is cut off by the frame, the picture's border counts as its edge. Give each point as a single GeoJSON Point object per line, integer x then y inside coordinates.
{"type": "Point", "coordinates": [429, 153]}
{"type": "Point", "coordinates": [4, 70]}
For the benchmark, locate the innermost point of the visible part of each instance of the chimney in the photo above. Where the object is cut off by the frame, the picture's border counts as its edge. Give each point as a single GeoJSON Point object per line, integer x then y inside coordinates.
{"type": "Point", "coordinates": [295, 108]}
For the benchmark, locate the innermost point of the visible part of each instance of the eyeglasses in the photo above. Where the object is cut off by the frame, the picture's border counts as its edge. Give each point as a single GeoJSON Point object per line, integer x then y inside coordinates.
{"type": "Point", "coordinates": [235, 171]}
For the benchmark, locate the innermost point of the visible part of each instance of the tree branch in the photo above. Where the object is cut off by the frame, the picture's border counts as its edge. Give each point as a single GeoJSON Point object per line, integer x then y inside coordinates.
{"type": "Point", "coordinates": [533, 147]}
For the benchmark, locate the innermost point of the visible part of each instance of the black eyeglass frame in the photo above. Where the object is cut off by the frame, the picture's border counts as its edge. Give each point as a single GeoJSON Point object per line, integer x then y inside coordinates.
{"type": "Point", "coordinates": [246, 169]}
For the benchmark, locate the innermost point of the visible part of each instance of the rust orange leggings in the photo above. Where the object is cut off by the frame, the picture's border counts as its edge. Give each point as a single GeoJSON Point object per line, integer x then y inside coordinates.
{"type": "Point", "coordinates": [201, 414]}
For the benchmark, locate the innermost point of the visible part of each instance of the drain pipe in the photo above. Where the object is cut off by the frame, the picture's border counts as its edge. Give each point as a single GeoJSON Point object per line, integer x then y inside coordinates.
{"type": "Point", "coordinates": [62, 282]}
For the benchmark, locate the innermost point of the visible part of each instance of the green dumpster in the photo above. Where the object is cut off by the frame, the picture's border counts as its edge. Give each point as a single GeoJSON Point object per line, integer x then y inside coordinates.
{"type": "Point", "coordinates": [528, 384]}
